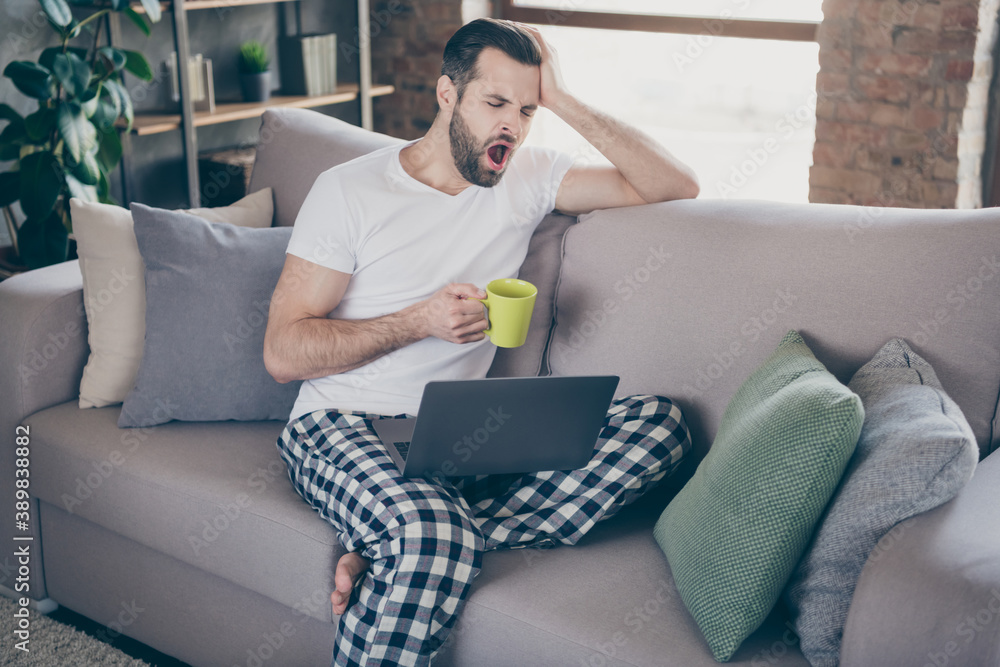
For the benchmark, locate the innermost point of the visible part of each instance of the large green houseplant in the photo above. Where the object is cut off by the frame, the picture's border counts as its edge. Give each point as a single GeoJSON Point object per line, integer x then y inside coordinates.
{"type": "Point", "coordinates": [70, 145]}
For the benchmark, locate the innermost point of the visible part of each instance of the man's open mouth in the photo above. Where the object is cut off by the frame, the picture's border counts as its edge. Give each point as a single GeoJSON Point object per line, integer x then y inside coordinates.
{"type": "Point", "coordinates": [497, 155]}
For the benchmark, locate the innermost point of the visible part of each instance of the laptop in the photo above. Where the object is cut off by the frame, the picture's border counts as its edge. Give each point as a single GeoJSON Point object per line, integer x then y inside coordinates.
{"type": "Point", "coordinates": [500, 425]}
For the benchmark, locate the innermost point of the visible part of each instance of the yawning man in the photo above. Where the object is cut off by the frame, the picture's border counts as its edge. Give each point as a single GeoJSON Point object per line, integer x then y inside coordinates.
{"type": "Point", "coordinates": [378, 297]}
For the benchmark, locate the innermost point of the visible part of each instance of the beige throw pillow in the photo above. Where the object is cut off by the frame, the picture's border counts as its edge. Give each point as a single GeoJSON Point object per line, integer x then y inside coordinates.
{"type": "Point", "coordinates": [114, 289]}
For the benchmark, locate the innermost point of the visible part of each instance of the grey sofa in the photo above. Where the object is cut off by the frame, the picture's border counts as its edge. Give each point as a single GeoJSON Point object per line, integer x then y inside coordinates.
{"type": "Point", "coordinates": [728, 280]}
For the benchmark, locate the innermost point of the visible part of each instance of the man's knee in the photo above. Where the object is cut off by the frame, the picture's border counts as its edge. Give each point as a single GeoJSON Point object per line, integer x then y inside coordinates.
{"type": "Point", "coordinates": [440, 530]}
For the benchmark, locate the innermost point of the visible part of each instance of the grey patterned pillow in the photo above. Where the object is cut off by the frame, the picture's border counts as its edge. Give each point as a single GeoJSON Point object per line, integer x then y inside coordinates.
{"type": "Point", "coordinates": [208, 290]}
{"type": "Point", "coordinates": [916, 452]}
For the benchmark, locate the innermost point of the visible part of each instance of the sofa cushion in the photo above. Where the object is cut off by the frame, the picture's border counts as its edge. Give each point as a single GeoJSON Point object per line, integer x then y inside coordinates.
{"type": "Point", "coordinates": [609, 600]}
{"type": "Point", "coordinates": [216, 495]}
{"type": "Point", "coordinates": [297, 145]}
{"type": "Point", "coordinates": [114, 293]}
{"type": "Point", "coordinates": [734, 533]}
{"type": "Point", "coordinates": [706, 288]}
{"type": "Point", "coordinates": [541, 269]}
{"type": "Point", "coordinates": [208, 291]}
{"type": "Point", "coordinates": [916, 452]}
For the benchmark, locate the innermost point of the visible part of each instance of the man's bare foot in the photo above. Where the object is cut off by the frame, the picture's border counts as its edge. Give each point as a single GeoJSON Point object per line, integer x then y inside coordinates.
{"type": "Point", "coordinates": [351, 567]}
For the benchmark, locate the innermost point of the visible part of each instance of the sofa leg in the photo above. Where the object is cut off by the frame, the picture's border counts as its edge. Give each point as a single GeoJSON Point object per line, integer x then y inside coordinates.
{"type": "Point", "coordinates": [43, 606]}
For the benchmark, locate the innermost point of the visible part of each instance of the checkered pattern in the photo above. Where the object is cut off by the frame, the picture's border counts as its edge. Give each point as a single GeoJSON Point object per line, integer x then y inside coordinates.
{"type": "Point", "coordinates": [425, 539]}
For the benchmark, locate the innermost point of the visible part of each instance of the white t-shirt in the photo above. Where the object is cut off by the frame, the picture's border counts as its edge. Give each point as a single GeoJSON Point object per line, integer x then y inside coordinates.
{"type": "Point", "coordinates": [402, 241]}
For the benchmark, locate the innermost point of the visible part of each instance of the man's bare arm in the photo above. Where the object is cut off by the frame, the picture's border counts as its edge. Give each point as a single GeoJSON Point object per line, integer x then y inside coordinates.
{"type": "Point", "coordinates": [643, 170]}
{"type": "Point", "coordinates": [302, 343]}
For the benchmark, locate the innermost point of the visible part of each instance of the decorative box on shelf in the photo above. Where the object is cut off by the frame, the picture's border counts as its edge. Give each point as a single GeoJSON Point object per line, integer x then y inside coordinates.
{"type": "Point", "coordinates": [225, 175]}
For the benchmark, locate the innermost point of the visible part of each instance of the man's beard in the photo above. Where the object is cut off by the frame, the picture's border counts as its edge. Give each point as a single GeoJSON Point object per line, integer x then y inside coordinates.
{"type": "Point", "coordinates": [468, 154]}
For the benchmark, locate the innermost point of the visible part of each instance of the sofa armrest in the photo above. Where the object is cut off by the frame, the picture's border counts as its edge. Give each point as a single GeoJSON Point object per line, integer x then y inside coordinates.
{"type": "Point", "coordinates": [43, 329]}
{"type": "Point", "coordinates": [930, 592]}
{"type": "Point", "coordinates": [43, 349]}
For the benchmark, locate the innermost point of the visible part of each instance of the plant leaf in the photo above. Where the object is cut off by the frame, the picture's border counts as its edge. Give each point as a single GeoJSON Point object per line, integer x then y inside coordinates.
{"type": "Point", "coordinates": [138, 20]}
{"type": "Point", "coordinates": [89, 104]}
{"type": "Point", "coordinates": [152, 8]}
{"type": "Point", "coordinates": [119, 5]}
{"type": "Point", "coordinates": [87, 171]}
{"type": "Point", "coordinates": [31, 79]}
{"type": "Point", "coordinates": [109, 151]}
{"type": "Point", "coordinates": [39, 124]}
{"type": "Point", "coordinates": [8, 113]}
{"type": "Point", "coordinates": [48, 56]}
{"type": "Point", "coordinates": [73, 73]}
{"type": "Point", "coordinates": [123, 101]}
{"type": "Point", "coordinates": [14, 133]}
{"type": "Point", "coordinates": [81, 190]}
{"type": "Point", "coordinates": [79, 133]}
{"type": "Point", "coordinates": [58, 12]}
{"type": "Point", "coordinates": [42, 241]}
{"type": "Point", "coordinates": [116, 58]}
{"type": "Point", "coordinates": [107, 111]}
{"type": "Point", "coordinates": [103, 189]}
{"type": "Point", "coordinates": [41, 183]}
{"type": "Point", "coordinates": [136, 63]}
{"type": "Point", "coordinates": [10, 188]}
{"type": "Point", "coordinates": [9, 152]}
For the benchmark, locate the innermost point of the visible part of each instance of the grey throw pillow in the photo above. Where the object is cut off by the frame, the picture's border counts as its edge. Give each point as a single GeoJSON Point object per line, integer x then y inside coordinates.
{"type": "Point", "coordinates": [916, 452]}
{"type": "Point", "coordinates": [541, 269]}
{"type": "Point", "coordinates": [208, 289]}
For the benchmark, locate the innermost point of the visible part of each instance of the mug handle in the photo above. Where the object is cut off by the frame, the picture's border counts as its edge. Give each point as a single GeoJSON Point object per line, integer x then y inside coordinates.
{"type": "Point", "coordinates": [486, 303]}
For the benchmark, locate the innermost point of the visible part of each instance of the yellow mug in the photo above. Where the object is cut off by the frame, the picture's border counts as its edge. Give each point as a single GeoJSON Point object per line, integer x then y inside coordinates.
{"type": "Point", "coordinates": [509, 302]}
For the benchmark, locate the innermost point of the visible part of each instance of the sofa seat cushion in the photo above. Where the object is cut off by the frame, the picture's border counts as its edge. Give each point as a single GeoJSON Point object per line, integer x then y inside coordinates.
{"type": "Point", "coordinates": [214, 495]}
{"type": "Point", "coordinates": [608, 600]}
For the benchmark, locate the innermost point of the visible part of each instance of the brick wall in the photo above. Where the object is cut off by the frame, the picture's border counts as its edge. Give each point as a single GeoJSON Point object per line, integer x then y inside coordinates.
{"type": "Point", "coordinates": [408, 38]}
{"type": "Point", "coordinates": [902, 102]}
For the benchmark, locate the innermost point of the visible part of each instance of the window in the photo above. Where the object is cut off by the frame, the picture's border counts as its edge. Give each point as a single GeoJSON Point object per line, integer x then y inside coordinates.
{"type": "Point", "coordinates": [740, 111]}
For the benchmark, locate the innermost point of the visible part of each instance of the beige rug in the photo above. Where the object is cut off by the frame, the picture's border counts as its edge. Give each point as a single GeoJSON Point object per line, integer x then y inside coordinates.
{"type": "Point", "coordinates": [52, 644]}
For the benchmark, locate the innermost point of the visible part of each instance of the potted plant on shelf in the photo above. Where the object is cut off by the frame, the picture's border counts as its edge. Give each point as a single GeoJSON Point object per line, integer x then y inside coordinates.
{"type": "Point", "coordinates": [255, 75]}
{"type": "Point", "coordinates": [70, 144]}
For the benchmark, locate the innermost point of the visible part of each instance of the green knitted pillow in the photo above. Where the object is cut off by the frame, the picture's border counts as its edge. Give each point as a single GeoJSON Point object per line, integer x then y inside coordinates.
{"type": "Point", "coordinates": [735, 532]}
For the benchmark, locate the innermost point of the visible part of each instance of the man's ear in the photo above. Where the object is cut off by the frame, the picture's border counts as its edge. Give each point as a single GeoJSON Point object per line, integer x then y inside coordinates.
{"type": "Point", "coordinates": [447, 93]}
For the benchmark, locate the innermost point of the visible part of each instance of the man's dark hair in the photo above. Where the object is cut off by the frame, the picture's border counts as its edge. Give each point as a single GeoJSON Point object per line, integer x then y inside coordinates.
{"type": "Point", "coordinates": [464, 47]}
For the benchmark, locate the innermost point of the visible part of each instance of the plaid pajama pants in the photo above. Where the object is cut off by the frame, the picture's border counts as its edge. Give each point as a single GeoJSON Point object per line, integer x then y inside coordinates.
{"type": "Point", "coordinates": [425, 539]}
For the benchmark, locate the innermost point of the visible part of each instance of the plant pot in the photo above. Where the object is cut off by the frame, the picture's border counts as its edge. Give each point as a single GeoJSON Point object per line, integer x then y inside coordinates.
{"type": "Point", "coordinates": [10, 264]}
{"type": "Point", "coordinates": [256, 86]}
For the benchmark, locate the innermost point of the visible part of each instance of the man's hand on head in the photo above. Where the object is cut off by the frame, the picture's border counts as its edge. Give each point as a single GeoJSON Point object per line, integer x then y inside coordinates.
{"type": "Point", "coordinates": [552, 89]}
{"type": "Point", "coordinates": [454, 314]}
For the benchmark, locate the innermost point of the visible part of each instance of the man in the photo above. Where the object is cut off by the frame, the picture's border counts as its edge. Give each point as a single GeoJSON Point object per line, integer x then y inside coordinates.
{"type": "Point", "coordinates": [378, 297]}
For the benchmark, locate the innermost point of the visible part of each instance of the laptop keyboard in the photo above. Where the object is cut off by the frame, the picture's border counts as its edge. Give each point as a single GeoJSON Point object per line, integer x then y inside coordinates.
{"type": "Point", "coordinates": [402, 448]}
